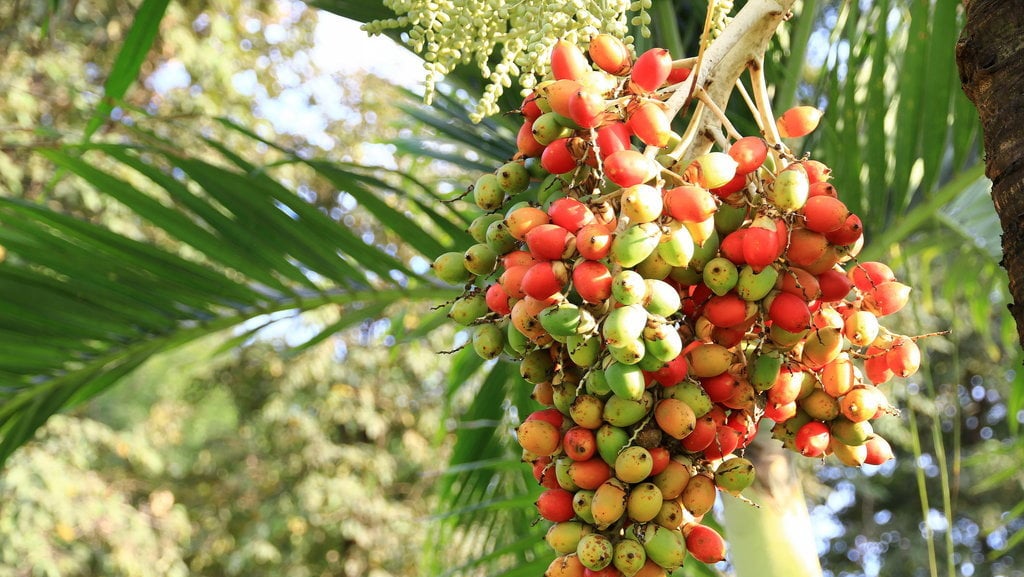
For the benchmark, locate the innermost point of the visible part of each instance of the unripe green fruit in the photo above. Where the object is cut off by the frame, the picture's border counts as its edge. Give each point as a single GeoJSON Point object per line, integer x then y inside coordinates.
{"type": "Point", "coordinates": [488, 340]}
{"type": "Point", "coordinates": [720, 275]}
{"type": "Point", "coordinates": [734, 475]}
{"type": "Point", "coordinates": [450, 268]}
{"type": "Point", "coordinates": [499, 238]}
{"type": "Point", "coordinates": [850, 433]}
{"type": "Point", "coordinates": [644, 502]}
{"type": "Point", "coordinates": [581, 502]}
{"type": "Point", "coordinates": [548, 128]}
{"type": "Point", "coordinates": [629, 557]}
{"type": "Point", "coordinates": [686, 276]}
{"type": "Point", "coordinates": [487, 193]}
{"type": "Point", "coordinates": [565, 481]}
{"type": "Point", "coordinates": [664, 546]}
{"type": "Point", "coordinates": [584, 350]}
{"type": "Point", "coordinates": [662, 298]}
{"type": "Point", "coordinates": [624, 324]}
{"type": "Point", "coordinates": [629, 287]}
{"type": "Point", "coordinates": [676, 246]}
{"type": "Point", "coordinates": [515, 340]}
{"type": "Point", "coordinates": [480, 259]}
{"type": "Point", "coordinates": [764, 370]}
{"type": "Point", "coordinates": [662, 341]}
{"type": "Point", "coordinates": [597, 383]}
{"type": "Point", "coordinates": [565, 537]}
{"type": "Point", "coordinates": [551, 188]}
{"type": "Point", "coordinates": [469, 308]}
{"type": "Point", "coordinates": [729, 218]}
{"type": "Point", "coordinates": [537, 366]}
{"type": "Point", "coordinates": [693, 395]}
{"type": "Point", "coordinates": [754, 286]}
{"type": "Point", "coordinates": [478, 228]}
{"type": "Point", "coordinates": [513, 177]}
{"type": "Point", "coordinates": [626, 381]}
{"type": "Point", "coordinates": [702, 253]}
{"type": "Point", "coordinates": [563, 396]}
{"type": "Point", "coordinates": [630, 352]}
{"type": "Point", "coordinates": [633, 245]}
{"type": "Point", "coordinates": [622, 412]}
{"type": "Point", "coordinates": [791, 188]}
{"type": "Point", "coordinates": [653, 267]}
{"type": "Point", "coordinates": [610, 440]}
{"type": "Point", "coordinates": [565, 319]}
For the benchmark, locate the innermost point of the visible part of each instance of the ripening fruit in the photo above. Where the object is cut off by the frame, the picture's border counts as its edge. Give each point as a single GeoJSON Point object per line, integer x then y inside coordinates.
{"type": "Point", "coordinates": [523, 219]}
{"type": "Point", "coordinates": [690, 203]}
{"type": "Point", "coordinates": [526, 144]}
{"type": "Point", "coordinates": [650, 70]}
{"type": "Point", "coordinates": [539, 437]}
{"type": "Point", "coordinates": [879, 451]}
{"type": "Point", "coordinates": [734, 475]}
{"type": "Point", "coordinates": [664, 547]}
{"type": "Point", "coordinates": [593, 242]}
{"type": "Point", "coordinates": [887, 298]}
{"type": "Point", "coordinates": [609, 503]}
{"type": "Point", "coordinates": [791, 188]}
{"type": "Point", "coordinates": [595, 551]}
{"type": "Point", "coordinates": [862, 403]}
{"type": "Point", "coordinates": [558, 94]}
{"type": "Point", "coordinates": [904, 357]}
{"type": "Point", "coordinates": [629, 557]}
{"type": "Point", "coordinates": [565, 566]}
{"type": "Point", "coordinates": [568, 61]}
{"type": "Point", "coordinates": [749, 153]}
{"type": "Point", "coordinates": [712, 170]}
{"type": "Point", "coordinates": [798, 121]}
{"type": "Point", "coordinates": [610, 54]}
{"type": "Point", "coordinates": [633, 464]}
{"type": "Point", "coordinates": [650, 124]}
{"type": "Point", "coordinates": [628, 167]}
{"type": "Point", "coordinates": [824, 214]}
{"type": "Point", "coordinates": [640, 203]}
{"type": "Point", "coordinates": [675, 418]}
{"type": "Point", "coordinates": [861, 328]}
{"type": "Point", "coordinates": [699, 495]}
{"type": "Point", "coordinates": [868, 275]}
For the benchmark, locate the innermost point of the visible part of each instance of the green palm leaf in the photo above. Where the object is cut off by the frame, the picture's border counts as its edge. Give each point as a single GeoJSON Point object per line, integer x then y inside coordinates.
{"type": "Point", "coordinates": [82, 305]}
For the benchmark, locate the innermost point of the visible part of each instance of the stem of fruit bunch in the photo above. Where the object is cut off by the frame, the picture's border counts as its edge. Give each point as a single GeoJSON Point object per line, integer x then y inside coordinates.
{"type": "Point", "coordinates": [769, 130]}
{"type": "Point", "coordinates": [723, 61]}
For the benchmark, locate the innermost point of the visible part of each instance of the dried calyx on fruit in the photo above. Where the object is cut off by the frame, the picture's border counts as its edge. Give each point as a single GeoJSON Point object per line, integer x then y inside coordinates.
{"type": "Point", "coordinates": [662, 309]}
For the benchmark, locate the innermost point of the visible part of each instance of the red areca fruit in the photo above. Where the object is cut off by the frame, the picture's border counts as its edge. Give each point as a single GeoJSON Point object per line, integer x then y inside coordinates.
{"type": "Point", "coordinates": [650, 124]}
{"type": "Point", "coordinates": [887, 298]}
{"type": "Point", "coordinates": [868, 275]}
{"type": "Point", "coordinates": [834, 285]}
{"type": "Point", "coordinates": [497, 299]}
{"type": "Point", "coordinates": [651, 70]}
{"type": "Point", "coordinates": [592, 280]}
{"type": "Point", "coordinates": [816, 171]}
{"type": "Point", "coordinates": [570, 214]}
{"type": "Point", "coordinates": [789, 312]}
{"type": "Point", "coordinates": [812, 439]}
{"type": "Point", "coordinates": [550, 242]}
{"type": "Point", "coordinates": [557, 157]}
{"type": "Point", "coordinates": [611, 138]}
{"type": "Point", "coordinates": [824, 214]}
{"type": "Point", "coordinates": [850, 232]}
{"type": "Point", "coordinates": [749, 153]}
{"type": "Point", "coordinates": [555, 505]}
{"type": "Point", "coordinates": [761, 247]}
{"type": "Point", "coordinates": [628, 167]}
{"type": "Point", "coordinates": [567, 61]}
{"type": "Point", "coordinates": [705, 544]}
{"type": "Point", "coordinates": [586, 108]}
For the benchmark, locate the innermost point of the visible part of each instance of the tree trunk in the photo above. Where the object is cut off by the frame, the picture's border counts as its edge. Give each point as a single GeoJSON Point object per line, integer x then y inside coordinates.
{"type": "Point", "coordinates": [990, 56]}
{"type": "Point", "coordinates": [776, 537]}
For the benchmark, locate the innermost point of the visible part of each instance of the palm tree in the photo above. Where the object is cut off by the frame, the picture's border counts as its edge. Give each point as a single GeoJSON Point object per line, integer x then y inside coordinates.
{"type": "Point", "coordinates": [82, 306]}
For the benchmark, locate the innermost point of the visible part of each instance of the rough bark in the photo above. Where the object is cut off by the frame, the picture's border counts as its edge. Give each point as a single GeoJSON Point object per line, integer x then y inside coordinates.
{"type": "Point", "coordinates": [990, 56]}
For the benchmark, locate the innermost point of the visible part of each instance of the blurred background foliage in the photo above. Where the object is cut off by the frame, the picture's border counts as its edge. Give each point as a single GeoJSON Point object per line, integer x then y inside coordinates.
{"type": "Point", "coordinates": [368, 453]}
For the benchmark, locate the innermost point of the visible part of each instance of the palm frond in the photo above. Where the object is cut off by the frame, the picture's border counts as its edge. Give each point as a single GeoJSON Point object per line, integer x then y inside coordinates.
{"type": "Point", "coordinates": [83, 305]}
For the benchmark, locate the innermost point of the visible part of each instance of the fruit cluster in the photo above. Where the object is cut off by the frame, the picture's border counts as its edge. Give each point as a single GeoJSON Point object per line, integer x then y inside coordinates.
{"type": "Point", "coordinates": [660, 310]}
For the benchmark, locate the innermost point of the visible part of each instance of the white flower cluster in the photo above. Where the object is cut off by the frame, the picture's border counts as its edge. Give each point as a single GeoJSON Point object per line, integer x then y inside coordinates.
{"type": "Point", "coordinates": [447, 33]}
